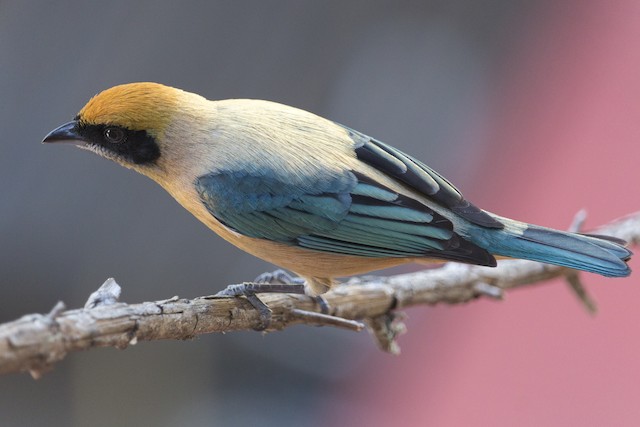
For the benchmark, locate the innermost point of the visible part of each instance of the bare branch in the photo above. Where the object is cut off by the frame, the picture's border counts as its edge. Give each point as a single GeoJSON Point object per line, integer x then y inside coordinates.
{"type": "Point", "coordinates": [36, 342]}
{"type": "Point", "coordinates": [573, 278]}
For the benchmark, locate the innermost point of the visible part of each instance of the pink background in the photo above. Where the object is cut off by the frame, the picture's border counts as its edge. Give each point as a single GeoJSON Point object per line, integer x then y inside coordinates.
{"type": "Point", "coordinates": [565, 130]}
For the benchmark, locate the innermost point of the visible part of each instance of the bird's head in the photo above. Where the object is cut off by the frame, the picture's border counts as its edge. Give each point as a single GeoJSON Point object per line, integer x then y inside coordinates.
{"type": "Point", "coordinates": [126, 124]}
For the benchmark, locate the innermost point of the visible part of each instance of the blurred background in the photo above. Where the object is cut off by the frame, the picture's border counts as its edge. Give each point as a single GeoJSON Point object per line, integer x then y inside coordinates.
{"type": "Point", "coordinates": [531, 108]}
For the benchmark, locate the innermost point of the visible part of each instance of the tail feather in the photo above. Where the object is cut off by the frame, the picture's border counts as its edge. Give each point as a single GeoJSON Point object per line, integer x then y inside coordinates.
{"type": "Point", "coordinates": [603, 255]}
{"type": "Point", "coordinates": [617, 240]}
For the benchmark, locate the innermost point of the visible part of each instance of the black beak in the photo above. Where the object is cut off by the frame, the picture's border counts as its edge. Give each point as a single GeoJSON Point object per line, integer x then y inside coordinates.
{"type": "Point", "coordinates": [67, 133]}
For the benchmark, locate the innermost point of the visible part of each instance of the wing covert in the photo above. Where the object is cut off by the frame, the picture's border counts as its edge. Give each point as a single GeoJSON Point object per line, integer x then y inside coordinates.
{"type": "Point", "coordinates": [344, 213]}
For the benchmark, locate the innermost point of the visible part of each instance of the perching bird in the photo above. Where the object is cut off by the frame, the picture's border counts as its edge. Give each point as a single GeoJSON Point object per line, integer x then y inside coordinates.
{"type": "Point", "coordinates": [308, 194]}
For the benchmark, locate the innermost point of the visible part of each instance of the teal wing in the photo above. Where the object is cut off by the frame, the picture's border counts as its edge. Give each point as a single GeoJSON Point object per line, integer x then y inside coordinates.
{"type": "Point", "coordinates": [345, 213]}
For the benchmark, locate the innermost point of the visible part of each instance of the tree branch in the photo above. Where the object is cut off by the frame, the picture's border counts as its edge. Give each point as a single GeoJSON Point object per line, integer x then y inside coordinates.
{"type": "Point", "coordinates": [36, 342]}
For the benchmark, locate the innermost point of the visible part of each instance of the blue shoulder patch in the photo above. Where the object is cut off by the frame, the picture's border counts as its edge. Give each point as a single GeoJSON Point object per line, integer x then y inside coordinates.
{"type": "Point", "coordinates": [344, 213]}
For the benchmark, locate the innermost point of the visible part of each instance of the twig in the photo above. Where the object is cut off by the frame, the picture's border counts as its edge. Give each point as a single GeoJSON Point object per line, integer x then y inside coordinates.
{"type": "Point", "coordinates": [107, 294]}
{"type": "Point", "coordinates": [36, 342]}
{"type": "Point", "coordinates": [572, 277]}
{"type": "Point", "coordinates": [319, 319]}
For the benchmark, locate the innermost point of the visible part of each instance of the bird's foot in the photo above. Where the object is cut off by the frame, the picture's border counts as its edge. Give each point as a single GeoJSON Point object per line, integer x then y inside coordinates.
{"type": "Point", "coordinates": [325, 308]}
{"type": "Point", "coordinates": [278, 281]}
{"type": "Point", "coordinates": [283, 278]}
{"type": "Point", "coordinates": [279, 276]}
{"type": "Point", "coordinates": [249, 291]}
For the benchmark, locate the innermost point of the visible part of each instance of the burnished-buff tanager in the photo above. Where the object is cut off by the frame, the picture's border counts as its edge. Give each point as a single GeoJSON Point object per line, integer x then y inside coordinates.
{"type": "Point", "coordinates": [308, 194]}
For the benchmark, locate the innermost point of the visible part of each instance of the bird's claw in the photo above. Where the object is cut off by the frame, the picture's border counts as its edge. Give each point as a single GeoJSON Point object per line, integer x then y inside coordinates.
{"type": "Point", "coordinates": [249, 291]}
{"type": "Point", "coordinates": [278, 281]}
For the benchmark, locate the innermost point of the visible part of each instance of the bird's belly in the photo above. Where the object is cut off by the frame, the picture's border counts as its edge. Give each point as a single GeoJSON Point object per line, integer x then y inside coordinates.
{"type": "Point", "coordinates": [305, 262]}
{"type": "Point", "coordinates": [312, 263]}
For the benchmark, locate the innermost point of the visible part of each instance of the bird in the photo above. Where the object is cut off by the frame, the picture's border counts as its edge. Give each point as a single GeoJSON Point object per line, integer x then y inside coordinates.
{"type": "Point", "coordinates": [308, 194]}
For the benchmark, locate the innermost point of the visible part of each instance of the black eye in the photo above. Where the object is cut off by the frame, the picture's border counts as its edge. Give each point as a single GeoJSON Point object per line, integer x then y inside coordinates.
{"type": "Point", "coordinates": [115, 135]}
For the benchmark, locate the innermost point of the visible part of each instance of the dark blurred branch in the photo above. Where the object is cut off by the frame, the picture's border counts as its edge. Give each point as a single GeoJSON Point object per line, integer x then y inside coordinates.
{"type": "Point", "coordinates": [36, 342]}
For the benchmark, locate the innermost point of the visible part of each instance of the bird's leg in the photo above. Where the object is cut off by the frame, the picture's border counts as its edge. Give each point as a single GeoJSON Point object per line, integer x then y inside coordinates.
{"type": "Point", "coordinates": [322, 303]}
{"type": "Point", "coordinates": [249, 291]}
{"type": "Point", "coordinates": [278, 281]}
{"type": "Point", "coordinates": [287, 280]}
{"type": "Point", "coordinates": [282, 277]}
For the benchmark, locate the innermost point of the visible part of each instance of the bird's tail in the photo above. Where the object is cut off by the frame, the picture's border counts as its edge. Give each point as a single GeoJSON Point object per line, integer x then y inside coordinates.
{"type": "Point", "coordinates": [603, 255]}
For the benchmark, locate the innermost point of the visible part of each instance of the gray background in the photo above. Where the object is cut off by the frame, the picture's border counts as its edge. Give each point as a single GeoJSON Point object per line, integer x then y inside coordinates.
{"type": "Point", "coordinates": [407, 72]}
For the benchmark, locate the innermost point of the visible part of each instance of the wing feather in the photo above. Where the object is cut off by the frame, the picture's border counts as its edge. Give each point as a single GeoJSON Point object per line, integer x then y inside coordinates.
{"type": "Point", "coordinates": [419, 176]}
{"type": "Point", "coordinates": [345, 213]}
